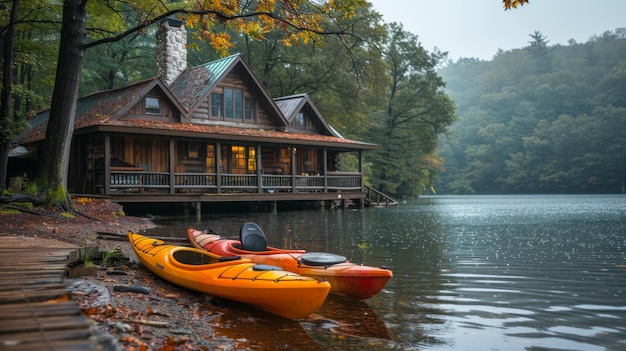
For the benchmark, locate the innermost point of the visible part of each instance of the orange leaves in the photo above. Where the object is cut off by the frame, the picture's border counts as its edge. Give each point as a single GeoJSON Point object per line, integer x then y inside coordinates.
{"type": "Point", "coordinates": [300, 20]}
{"type": "Point", "coordinates": [266, 6]}
{"type": "Point", "coordinates": [220, 41]}
{"type": "Point", "coordinates": [255, 30]}
{"type": "Point", "coordinates": [508, 4]}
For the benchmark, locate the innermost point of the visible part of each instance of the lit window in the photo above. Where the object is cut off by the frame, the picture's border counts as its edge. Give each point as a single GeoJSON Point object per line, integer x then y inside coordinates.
{"type": "Point", "coordinates": [153, 106]}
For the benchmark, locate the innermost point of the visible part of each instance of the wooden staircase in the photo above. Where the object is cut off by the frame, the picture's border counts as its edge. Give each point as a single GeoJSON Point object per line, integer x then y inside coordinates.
{"type": "Point", "coordinates": [375, 198]}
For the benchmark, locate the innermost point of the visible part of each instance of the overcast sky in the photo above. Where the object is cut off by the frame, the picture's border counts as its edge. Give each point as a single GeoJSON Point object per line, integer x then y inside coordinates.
{"type": "Point", "coordinates": [478, 28]}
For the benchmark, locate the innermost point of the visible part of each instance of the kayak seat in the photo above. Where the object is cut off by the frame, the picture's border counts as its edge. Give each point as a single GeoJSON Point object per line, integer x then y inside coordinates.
{"type": "Point", "coordinates": [265, 267]}
{"type": "Point", "coordinates": [252, 237]}
{"type": "Point", "coordinates": [322, 259]}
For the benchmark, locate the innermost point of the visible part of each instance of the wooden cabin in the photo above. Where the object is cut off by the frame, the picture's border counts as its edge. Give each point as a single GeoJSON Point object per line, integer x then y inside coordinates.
{"type": "Point", "coordinates": [210, 133]}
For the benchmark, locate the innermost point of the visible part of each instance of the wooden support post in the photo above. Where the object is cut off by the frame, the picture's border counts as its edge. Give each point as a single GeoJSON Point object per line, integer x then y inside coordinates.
{"type": "Point", "coordinates": [325, 170]}
{"type": "Point", "coordinates": [274, 207]}
{"type": "Point", "coordinates": [107, 164]}
{"type": "Point", "coordinates": [198, 208]}
{"type": "Point", "coordinates": [293, 168]}
{"type": "Point", "coordinates": [259, 170]}
{"type": "Point", "coordinates": [218, 153]}
{"type": "Point", "coordinates": [172, 166]}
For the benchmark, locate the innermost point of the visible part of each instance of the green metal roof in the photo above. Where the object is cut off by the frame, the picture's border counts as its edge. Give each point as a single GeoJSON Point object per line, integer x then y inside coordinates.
{"type": "Point", "coordinates": [195, 83]}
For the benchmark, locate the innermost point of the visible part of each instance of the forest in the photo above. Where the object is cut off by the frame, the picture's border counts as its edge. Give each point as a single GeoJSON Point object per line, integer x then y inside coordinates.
{"type": "Point", "coordinates": [372, 81]}
{"type": "Point", "coordinates": [539, 119]}
{"type": "Point", "coordinates": [542, 119]}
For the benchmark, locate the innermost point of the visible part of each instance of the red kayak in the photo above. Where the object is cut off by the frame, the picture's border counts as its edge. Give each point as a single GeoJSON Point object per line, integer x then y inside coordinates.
{"type": "Point", "coordinates": [345, 278]}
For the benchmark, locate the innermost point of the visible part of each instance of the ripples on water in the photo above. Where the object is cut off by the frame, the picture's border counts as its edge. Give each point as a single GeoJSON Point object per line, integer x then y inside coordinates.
{"type": "Point", "coordinates": [471, 273]}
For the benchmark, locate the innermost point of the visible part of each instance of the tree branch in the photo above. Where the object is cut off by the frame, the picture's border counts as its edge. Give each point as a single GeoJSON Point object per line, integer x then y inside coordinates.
{"type": "Point", "coordinates": [221, 17]}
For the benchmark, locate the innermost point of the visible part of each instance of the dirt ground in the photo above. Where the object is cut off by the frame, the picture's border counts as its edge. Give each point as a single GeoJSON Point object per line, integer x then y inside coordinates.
{"type": "Point", "coordinates": [99, 215]}
{"type": "Point", "coordinates": [157, 315]}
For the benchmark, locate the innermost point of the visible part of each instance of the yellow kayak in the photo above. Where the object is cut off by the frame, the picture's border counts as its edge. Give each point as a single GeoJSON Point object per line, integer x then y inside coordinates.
{"type": "Point", "coordinates": [268, 288]}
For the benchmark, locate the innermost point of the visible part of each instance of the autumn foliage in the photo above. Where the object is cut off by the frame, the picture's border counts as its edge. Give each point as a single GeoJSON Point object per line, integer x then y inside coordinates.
{"type": "Point", "coordinates": [508, 4]}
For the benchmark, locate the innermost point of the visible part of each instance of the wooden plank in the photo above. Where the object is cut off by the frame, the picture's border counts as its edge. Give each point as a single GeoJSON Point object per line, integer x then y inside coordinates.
{"type": "Point", "coordinates": [32, 268]}
{"type": "Point", "coordinates": [32, 296]}
{"type": "Point", "coordinates": [44, 323]}
{"type": "Point", "coordinates": [13, 261]}
{"type": "Point", "coordinates": [33, 254]}
{"type": "Point", "coordinates": [58, 345]}
{"type": "Point", "coordinates": [42, 284]}
{"type": "Point", "coordinates": [36, 312]}
{"type": "Point", "coordinates": [32, 337]}
{"type": "Point", "coordinates": [25, 276]}
{"type": "Point", "coordinates": [35, 266]}
{"type": "Point", "coordinates": [17, 310]}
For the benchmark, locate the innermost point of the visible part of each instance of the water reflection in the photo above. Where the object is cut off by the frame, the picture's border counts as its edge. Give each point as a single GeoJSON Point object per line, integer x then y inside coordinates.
{"type": "Point", "coordinates": [348, 316]}
{"type": "Point", "coordinates": [254, 329]}
{"type": "Point", "coordinates": [483, 272]}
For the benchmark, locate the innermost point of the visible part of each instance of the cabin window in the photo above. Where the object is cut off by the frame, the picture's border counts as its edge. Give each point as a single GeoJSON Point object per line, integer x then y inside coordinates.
{"type": "Point", "coordinates": [228, 102]}
{"type": "Point", "coordinates": [233, 103]}
{"type": "Point", "coordinates": [153, 106]}
{"type": "Point", "coordinates": [217, 105]}
{"type": "Point", "coordinates": [300, 121]}
{"type": "Point", "coordinates": [249, 109]}
{"type": "Point", "coordinates": [193, 150]}
{"type": "Point", "coordinates": [251, 159]}
{"type": "Point", "coordinates": [210, 158]}
{"type": "Point", "coordinates": [242, 159]}
{"type": "Point", "coordinates": [238, 103]}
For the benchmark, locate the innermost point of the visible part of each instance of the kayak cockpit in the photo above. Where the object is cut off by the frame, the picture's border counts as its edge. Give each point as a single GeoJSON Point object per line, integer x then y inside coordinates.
{"type": "Point", "coordinates": [193, 258]}
{"type": "Point", "coordinates": [190, 258]}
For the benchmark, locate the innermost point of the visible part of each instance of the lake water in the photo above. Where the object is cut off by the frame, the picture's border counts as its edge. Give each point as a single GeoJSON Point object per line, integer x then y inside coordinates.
{"type": "Point", "coordinates": [470, 273]}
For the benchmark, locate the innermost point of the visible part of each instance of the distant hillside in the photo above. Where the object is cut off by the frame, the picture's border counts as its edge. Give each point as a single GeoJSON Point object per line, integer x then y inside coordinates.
{"type": "Point", "coordinates": [541, 119]}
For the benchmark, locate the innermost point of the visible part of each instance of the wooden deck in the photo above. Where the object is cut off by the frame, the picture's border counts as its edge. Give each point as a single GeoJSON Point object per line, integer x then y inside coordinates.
{"type": "Point", "coordinates": [36, 310]}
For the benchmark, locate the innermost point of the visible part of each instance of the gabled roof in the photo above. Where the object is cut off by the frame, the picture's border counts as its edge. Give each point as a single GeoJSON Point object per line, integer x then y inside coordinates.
{"type": "Point", "coordinates": [193, 85]}
{"type": "Point", "coordinates": [106, 110]}
{"type": "Point", "coordinates": [291, 105]}
{"type": "Point", "coordinates": [98, 108]}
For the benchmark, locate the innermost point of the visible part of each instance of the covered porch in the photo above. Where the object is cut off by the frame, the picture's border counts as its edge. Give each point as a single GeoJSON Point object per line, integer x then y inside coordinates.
{"type": "Point", "coordinates": [136, 168]}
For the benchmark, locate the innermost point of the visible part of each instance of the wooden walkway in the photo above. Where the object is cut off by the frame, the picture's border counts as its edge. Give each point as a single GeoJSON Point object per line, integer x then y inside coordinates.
{"type": "Point", "coordinates": [36, 310]}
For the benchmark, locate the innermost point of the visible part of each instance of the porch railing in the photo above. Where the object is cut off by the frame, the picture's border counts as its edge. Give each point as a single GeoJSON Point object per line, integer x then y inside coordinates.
{"type": "Point", "coordinates": [142, 181]}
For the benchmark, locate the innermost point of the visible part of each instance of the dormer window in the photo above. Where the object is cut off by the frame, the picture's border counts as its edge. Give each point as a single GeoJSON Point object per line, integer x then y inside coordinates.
{"type": "Point", "coordinates": [153, 106]}
{"type": "Point", "coordinates": [300, 121]}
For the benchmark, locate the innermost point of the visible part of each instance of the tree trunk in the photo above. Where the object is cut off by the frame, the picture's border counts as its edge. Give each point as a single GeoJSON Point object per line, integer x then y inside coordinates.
{"type": "Point", "coordinates": [53, 168]}
{"type": "Point", "coordinates": [8, 75]}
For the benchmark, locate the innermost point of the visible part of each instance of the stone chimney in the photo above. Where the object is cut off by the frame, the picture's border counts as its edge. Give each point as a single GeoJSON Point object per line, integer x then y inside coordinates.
{"type": "Point", "coordinates": [171, 49]}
